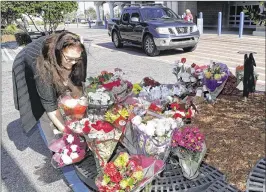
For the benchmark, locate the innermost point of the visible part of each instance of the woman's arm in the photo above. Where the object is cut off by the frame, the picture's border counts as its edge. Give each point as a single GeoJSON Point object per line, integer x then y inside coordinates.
{"type": "Point", "coordinates": [57, 119]}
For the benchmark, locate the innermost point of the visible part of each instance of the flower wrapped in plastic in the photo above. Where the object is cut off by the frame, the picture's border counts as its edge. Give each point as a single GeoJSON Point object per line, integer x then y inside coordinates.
{"type": "Point", "coordinates": [102, 138]}
{"type": "Point", "coordinates": [161, 92]}
{"type": "Point", "coordinates": [69, 149]}
{"type": "Point", "coordinates": [72, 108]}
{"type": "Point", "coordinates": [188, 144]}
{"type": "Point", "coordinates": [128, 173]}
{"type": "Point", "coordinates": [240, 74]}
{"type": "Point", "coordinates": [215, 78]}
{"type": "Point", "coordinates": [153, 134]}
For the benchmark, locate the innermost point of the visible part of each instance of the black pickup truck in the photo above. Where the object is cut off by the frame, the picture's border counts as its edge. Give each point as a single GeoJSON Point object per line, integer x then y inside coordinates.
{"type": "Point", "coordinates": [153, 28]}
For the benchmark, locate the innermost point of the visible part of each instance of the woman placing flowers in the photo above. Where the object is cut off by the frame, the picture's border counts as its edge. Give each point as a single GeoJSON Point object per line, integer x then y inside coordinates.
{"type": "Point", "coordinates": [44, 70]}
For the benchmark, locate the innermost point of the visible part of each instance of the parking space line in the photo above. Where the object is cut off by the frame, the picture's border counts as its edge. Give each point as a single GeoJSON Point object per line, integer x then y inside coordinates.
{"type": "Point", "coordinates": [8, 55]}
{"type": "Point", "coordinates": [4, 57]}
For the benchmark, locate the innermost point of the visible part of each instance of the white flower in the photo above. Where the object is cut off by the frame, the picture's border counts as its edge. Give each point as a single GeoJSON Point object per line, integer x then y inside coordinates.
{"type": "Point", "coordinates": [136, 120]}
{"type": "Point", "coordinates": [142, 127]}
{"type": "Point", "coordinates": [65, 151]}
{"type": "Point", "coordinates": [149, 130]}
{"type": "Point", "coordinates": [160, 132]}
{"type": "Point", "coordinates": [71, 103]}
{"type": "Point", "coordinates": [74, 147]}
{"type": "Point", "coordinates": [70, 138]}
{"type": "Point", "coordinates": [66, 159]}
{"type": "Point", "coordinates": [74, 155]}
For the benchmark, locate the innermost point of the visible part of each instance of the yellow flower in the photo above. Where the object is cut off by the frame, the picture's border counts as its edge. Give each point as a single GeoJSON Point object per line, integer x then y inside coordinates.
{"type": "Point", "coordinates": [138, 175]}
{"type": "Point", "coordinates": [123, 112]}
{"type": "Point", "coordinates": [110, 117]}
{"type": "Point", "coordinates": [122, 160]}
{"type": "Point", "coordinates": [208, 74]}
{"type": "Point", "coordinates": [130, 182]}
{"type": "Point", "coordinates": [106, 180]}
{"type": "Point", "coordinates": [136, 88]}
{"type": "Point", "coordinates": [123, 184]}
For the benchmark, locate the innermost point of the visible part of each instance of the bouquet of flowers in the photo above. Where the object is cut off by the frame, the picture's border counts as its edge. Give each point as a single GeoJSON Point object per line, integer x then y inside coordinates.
{"type": "Point", "coordinates": [100, 98]}
{"type": "Point", "coordinates": [148, 81]}
{"type": "Point", "coordinates": [69, 149]}
{"type": "Point", "coordinates": [112, 83]}
{"type": "Point", "coordinates": [118, 116]}
{"type": "Point", "coordinates": [102, 138]}
{"type": "Point", "coordinates": [161, 92]}
{"type": "Point", "coordinates": [128, 173]}
{"type": "Point", "coordinates": [72, 108]}
{"type": "Point", "coordinates": [189, 145]}
{"type": "Point", "coordinates": [154, 135]}
{"type": "Point", "coordinates": [240, 74]}
{"type": "Point", "coordinates": [215, 78]}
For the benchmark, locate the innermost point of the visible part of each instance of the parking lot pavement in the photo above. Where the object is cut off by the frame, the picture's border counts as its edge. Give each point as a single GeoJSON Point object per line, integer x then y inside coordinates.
{"type": "Point", "coordinates": [26, 160]}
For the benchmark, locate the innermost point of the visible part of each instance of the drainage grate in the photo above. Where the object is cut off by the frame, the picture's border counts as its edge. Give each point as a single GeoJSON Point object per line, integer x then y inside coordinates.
{"type": "Point", "coordinates": [256, 179]}
{"type": "Point", "coordinates": [172, 180]}
{"type": "Point", "coordinates": [221, 186]}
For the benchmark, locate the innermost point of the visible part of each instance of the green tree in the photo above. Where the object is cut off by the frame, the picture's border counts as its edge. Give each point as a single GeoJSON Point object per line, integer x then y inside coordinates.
{"type": "Point", "coordinates": [258, 16]}
{"type": "Point", "coordinates": [51, 12]}
{"type": "Point", "coordinates": [8, 12]}
{"type": "Point", "coordinates": [90, 13]}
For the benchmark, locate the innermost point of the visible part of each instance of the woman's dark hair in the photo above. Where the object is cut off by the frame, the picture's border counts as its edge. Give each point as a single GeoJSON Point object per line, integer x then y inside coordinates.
{"type": "Point", "coordinates": [49, 63]}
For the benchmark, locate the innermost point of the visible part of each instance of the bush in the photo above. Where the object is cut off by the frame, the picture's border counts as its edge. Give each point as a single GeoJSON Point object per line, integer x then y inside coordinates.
{"type": "Point", "coordinates": [23, 38]}
{"type": "Point", "coordinates": [10, 29]}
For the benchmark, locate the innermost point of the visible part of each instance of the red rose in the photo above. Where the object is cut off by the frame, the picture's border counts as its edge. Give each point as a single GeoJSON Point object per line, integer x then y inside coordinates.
{"type": "Point", "coordinates": [177, 115]}
{"type": "Point", "coordinates": [183, 60]}
{"type": "Point", "coordinates": [174, 106]}
{"type": "Point", "coordinates": [193, 65]}
{"type": "Point", "coordinates": [116, 178]}
{"type": "Point", "coordinates": [86, 129]}
{"type": "Point", "coordinates": [110, 169]}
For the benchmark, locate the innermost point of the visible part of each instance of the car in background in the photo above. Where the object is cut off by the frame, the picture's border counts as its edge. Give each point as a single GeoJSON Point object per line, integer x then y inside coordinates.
{"type": "Point", "coordinates": [154, 28]}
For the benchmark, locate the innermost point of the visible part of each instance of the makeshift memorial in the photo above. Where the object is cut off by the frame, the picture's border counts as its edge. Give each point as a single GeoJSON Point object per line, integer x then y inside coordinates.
{"type": "Point", "coordinates": [72, 108]}
{"type": "Point", "coordinates": [68, 149]}
{"type": "Point", "coordinates": [188, 144]}
{"type": "Point", "coordinates": [128, 173]}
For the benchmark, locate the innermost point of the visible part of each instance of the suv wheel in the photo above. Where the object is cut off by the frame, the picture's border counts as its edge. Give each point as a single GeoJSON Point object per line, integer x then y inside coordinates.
{"type": "Point", "coordinates": [117, 40]}
{"type": "Point", "coordinates": [190, 49]}
{"type": "Point", "coordinates": [150, 47]}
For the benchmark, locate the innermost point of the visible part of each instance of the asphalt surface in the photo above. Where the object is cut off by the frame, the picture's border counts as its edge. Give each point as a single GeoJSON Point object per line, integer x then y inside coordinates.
{"type": "Point", "coordinates": [26, 160]}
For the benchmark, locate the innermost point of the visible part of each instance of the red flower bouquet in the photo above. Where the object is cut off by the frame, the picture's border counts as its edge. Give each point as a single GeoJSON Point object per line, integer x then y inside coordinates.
{"type": "Point", "coordinates": [101, 138]}
{"type": "Point", "coordinates": [128, 173]}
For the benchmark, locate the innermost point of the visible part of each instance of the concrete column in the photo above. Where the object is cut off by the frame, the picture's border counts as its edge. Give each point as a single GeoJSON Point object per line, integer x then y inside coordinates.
{"type": "Point", "coordinates": [98, 21]}
{"type": "Point", "coordinates": [102, 13]}
{"type": "Point", "coordinates": [175, 6]}
{"type": "Point", "coordinates": [169, 4]}
{"type": "Point", "coordinates": [120, 7]}
{"type": "Point", "coordinates": [111, 9]}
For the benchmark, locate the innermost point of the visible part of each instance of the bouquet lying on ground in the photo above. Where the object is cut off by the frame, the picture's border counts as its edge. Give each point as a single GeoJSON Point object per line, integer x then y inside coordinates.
{"type": "Point", "coordinates": [72, 108]}
{"type": "Point", "coordinates": [215, 78]}
{"type": "Point", "coordinates": [68, 149]}
{"type": "Point", "coordinates": [128, 173]}
{"type": "Point", "coordinates": [189, 145]}
{"type": "Point", "coordinates": [102, 138]}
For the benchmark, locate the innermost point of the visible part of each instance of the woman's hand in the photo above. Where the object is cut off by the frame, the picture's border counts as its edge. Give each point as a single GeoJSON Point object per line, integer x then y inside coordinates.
{"type": "Point", "coordinates": [57, 119]}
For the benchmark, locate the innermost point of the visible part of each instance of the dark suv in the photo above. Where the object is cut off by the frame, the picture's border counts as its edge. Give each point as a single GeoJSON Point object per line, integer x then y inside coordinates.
{"type": "Point", "coordinates": [154, 28]}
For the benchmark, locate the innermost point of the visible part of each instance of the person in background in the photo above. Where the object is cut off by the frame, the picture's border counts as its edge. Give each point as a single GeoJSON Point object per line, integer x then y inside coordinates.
{"type": "Point", "coordinates": [188, 16]}
{"type": "Point", "coordinates": [42, 71]}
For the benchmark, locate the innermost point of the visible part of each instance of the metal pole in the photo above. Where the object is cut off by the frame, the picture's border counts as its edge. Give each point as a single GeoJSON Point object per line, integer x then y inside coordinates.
{"type": "Point", "coordinates": [200, 15]}
{"type": "Point", "coordinates": [77, 20]}
{"type": "Point", "coordinates": [241, 24]}
{"type": "Point", "coordinates": [219, 23]}
{"type": "Point", "coordinates": [85, 12]}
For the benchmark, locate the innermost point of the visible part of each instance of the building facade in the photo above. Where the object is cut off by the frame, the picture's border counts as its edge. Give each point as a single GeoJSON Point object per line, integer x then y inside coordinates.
{"type": "Point", "coordinates": [210, 9]}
